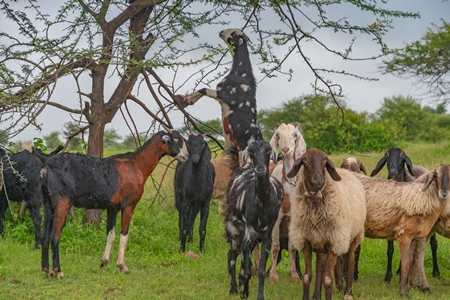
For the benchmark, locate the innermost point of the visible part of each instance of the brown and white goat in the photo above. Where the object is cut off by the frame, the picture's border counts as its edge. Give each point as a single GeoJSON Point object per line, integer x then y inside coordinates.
{"type": "Point", "coordinates": [328, 211]}
{"type": "Point", "coordinates": [406, 212]}
{"type": "Point", "coordinates": [114, 183]}
{"type": "Point", "coordinates": [288, 138]}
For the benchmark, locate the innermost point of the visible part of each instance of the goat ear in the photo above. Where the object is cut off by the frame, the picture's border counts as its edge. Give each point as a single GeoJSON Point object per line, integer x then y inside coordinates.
{"type": "Point", "coordinates": [379, 166]}
{"type": "Point", "coordinates": [274, 155]}
{"type": "Point", "coordinates": [300, 145]}
{"type": "Point", "coordinates": [274, 141]}
{"type": "Point", "coordinates": [332, 170]}
{"type": "Point", "coordinates": [429, 179]}
{"type": "Point", "coordinates": [362, 169]}
{"type": "Point", "coordinates": [409, 165]}
{"type": "Point", "coordinates": [295, 168]}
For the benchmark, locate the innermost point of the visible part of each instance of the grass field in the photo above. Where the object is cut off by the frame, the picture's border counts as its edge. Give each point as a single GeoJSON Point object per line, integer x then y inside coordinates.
{"type": "Point", "coordinates": [158, 271]}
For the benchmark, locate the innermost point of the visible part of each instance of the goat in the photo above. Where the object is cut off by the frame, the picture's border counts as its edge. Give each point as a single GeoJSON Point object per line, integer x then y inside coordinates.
{"type": "Point", "coordinates": [21, 178]}
{"type": "Point", "coordinates": [320, 201]}
{"type": "Point", "coordinates": [395, 160]}
{"type": "Point", "coordinates": [250, 210]}
{"type": "Point", "coordinates": [406, 212]}
{"type": "Point", "coordinates": [236, 94]}
{"type": "Point", "coordinates": [224, 167]}
{"type": "Point", "coordinates": [193, 185]}
{"type": "Point", "coordinates": [115, 183]}
{"type": "Point", "coordinates": [292, 144]}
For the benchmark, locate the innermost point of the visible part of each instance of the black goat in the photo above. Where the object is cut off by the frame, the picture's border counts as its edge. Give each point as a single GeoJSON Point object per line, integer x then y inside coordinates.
{"type": "Point", "coordinates": [395, 160]}
{"type": "Point", "coordinates": [193, 183]}
{"type": "Point", "coordinates": [115, 183]}
{"type": "Point", "coordinates": [236, 94]}
{"type": "Point", "coordinates": [250, 210]}
{"type": "Point", "coordinates": [21, 179]}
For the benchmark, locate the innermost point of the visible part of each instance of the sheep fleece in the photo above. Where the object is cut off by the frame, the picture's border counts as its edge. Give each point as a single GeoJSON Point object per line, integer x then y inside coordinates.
{"type": "Point", "coordinates": [339, 217]}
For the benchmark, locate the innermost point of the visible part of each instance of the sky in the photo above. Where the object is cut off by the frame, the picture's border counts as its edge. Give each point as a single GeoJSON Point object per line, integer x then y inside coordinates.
{"type": "Point", "coordinates": [360, 95]}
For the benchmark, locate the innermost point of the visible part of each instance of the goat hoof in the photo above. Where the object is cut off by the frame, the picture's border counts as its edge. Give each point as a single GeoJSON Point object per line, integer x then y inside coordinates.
{"type": "Point", "coordinates": [180, 100]}
{"type": "Point", "coordinates": [47, 272]}
{"type": "Point", "coordinates": [348, 297]}
{"type": "Point", "coordinates": [295, 277]}
{"type": "Point", "coordinates": [436, 274]}
{"type": "Point", "coordinates": [104, 263]}
{"type": "Point", "coordinates": [426, 290]}
{"type": "Point", "coordinates": [123, 268]}
{"type": "Point", "coordinates": [273, 277]}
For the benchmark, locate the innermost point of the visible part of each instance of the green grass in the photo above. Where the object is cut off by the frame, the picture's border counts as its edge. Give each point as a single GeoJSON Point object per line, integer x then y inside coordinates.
{"type": "Point", "coordinates": [158, 271]}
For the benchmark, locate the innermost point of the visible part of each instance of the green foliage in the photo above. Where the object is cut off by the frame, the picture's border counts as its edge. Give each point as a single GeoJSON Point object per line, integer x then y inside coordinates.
{"type": "Point", "coordinates": [111, 138]}
{"type": "Point", "coordinates": [427, 60]}
{"type": "Point", "coordinates": [77, 142]}
{"type": "Point", "coordinates": [212, 127]}
{"type": "Point", "coordinates": [52, 140]}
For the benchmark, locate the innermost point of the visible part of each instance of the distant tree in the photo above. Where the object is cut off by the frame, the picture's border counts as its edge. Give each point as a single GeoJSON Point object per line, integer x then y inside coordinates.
{"type": "Point", "coordinates": [407, 113]}
{"type": "Point", "coordinates": [77, 138]}
{"type": "Point", "coordinates": [212, 127]}
{"type": "Point", "coordinates": [132, 141]}
{"type": "Point", "coordinates": [427, 60]}
{"type": "Point", "coordinates": [111, 138]}
{"type": "Point", "coordinates": [52, 140]}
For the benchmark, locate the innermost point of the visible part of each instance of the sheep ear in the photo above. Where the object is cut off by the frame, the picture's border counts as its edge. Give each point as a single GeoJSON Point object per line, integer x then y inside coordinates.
{"type": "Point", "coordinates": [332, 170]}
{"type": "Point", "coordinates": [409, 165]}
{"type": "Point", "coordinates": [274, 155]}
{"type": "Point", "coordinates": [297, 164]}
{"type": "Point", "coordinates": [429, 179]}
{"type": "Point", "coordinates": [362, 169]}
{"type": "Point", "coordinates": [379, 166]}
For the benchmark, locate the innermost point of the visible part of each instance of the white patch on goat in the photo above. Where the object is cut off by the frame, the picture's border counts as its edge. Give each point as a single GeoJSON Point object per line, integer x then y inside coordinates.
{"type": "Point", "coordinates": [247, 131]}
{"type": "Point", "coordinates": [244, 75]}
{"type": "Point", "coordinates": [233, 102]}
{"type": "Point", "coordinates": [233, 90]}
{"type": "Point", "coordinates": [245, 87]}
{"type": "Point", "coordinates": [241, 104]}
{"type": "Point", "coordinates": [241, 40]}
{"type": "Point", "coordinates": [240, 63]}
{"type": "Point", "coordinates": [247, 103]}
{"type": "Point", "coordinates": [252, 109]}
{"type": "Point", "coordinates": [250, 234]}
{"type": "Point", "coordinates": [109, 242]}
{"type": "Point", "coordinates": [240, 202]}
{"type": "Point", "coordinates": [226, 111]}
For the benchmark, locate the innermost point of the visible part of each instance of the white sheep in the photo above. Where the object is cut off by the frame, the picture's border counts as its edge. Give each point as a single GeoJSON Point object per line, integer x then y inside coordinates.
{"type": "Point", "coordinates": [288, 138]}
{"type": "Point", "coordinates": [327, 215]}
{"type": "Point", "coordinates": [406, 212]}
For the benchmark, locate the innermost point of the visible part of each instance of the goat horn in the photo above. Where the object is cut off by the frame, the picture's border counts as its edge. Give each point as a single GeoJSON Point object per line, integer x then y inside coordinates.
{"type": "Point", "coordinates": [167, 128]}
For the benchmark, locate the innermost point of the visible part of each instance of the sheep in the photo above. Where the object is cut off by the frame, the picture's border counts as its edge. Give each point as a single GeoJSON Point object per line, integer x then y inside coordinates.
{"type": "Point", "coordinates": [236, 94]}
{"type": "Point", "coordinates": [193, 185]}
{"type": "Point", "coordinates": [250, 210]}
{"type": "Point", "coordinates": [21, 178]}
{"type": "Point", "coordinates": [406, 212]}
{"type": "Point", "coordinates": [114, 183]}
{"type": "Point", "coordinates": [395, 160]}
{"type": "Point", "coordinates": [321, 200]}
{"type": "Point", "coordinates": [292, 144]}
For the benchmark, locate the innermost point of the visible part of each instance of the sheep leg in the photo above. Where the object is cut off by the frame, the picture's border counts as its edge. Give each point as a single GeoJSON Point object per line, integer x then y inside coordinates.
{"type": "Point", "coordinates": [328, 274]}
{"type": "Point", "coordinates": [111, 217]}
{"type": "Point", "coordinates": [405, 258]}
{"type": "Point", "coordinates": [356, 272]}
{"type": "Point", "coordinates": [338, 272]}
{"type": "Point", "coordinates": [275, 247]}
{"type": "Point", "coordinates": [389, 253]}
{"type": "Point", "coordinates": [294, 263]}
{"type": "Point", "coordinates": [232, 255]}
{"type": "Point", "coordinates": [320, 267]}
{"type": "Point", "coordinates": [307, 257]}
{"type": "Point", "coordinates": [204, 213]}
{"type": "Point", "coordinates": [245, 274]}
{"type": "Point", "coordinates": [127, 214]}
{"type": "Point", "coordinates": [434, 247]}
{"type": "Point", "coordinates": [59, 220]}
{"type": "Point", "coordinates": [349, 270]}
{"type": "Point", "coordinates": [417, 273]}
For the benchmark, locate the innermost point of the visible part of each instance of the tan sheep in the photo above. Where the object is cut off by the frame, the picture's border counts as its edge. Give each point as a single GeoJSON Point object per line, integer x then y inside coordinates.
{"type": "Point", "coordinates": [323, 195]}
{"type": "Point", "coordinates": [406, 212]}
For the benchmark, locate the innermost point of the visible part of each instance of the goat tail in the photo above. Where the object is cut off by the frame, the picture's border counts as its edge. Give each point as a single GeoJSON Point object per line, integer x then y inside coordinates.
{"type": "Point", "coordinates": [41, 159]}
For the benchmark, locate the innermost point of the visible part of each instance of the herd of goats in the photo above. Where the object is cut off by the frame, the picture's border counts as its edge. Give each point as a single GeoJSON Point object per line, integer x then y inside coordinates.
{"type": "Point", "coordinates": [301, 202]}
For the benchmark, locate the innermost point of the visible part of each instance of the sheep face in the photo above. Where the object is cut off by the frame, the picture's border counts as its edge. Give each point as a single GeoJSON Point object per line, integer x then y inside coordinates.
{"type": "Point", "coordinates": [395, 159]}
{"type": "Point", "coordinates": [314, 162]}
{"type": "Point", "coordinates": [353, 164]}
{"type": "Point", "coordinates": [197, 146]}
{"type": "Point", "coordinates": [260, 153]}
{"type": "Point", "coordinates": [441, 176]}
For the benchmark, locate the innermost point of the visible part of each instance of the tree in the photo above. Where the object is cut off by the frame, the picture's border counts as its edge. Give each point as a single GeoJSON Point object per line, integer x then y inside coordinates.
{"type": "Point", "coordinates": [76, 138]}
{"type": "Point", "coordinates": [95, 44]}
{"type": "Point", "coordinates": [426, 60]}
{"type": "Point", "coordinates": [111, 138]}
{"type": "Point", "coordinates": [52, 140]}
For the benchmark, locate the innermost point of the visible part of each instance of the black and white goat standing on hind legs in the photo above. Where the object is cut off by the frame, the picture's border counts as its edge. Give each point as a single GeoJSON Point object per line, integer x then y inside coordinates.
{"type": "Point", "coordinates": [250, 210]}
{"type": "Point", "coordinates": [236, 94]}
{"type": "Point", "coordinates": [115, 183]}
{"type": "Point", "coordinates": [193, 184]}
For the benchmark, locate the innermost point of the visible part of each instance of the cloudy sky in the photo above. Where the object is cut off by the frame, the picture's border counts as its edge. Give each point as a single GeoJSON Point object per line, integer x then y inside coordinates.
{"type": "Point", "coordinates": [360, 95]}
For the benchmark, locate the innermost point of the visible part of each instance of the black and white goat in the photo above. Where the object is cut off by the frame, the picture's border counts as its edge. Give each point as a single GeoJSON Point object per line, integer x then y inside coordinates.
{"type": "Point", "coordinates": [114, 183]}
{"type": "Point", "coordinates": [21, 178]}
{"type": "Point", "coordinates": [236, 93]}
{"type": "Point", "coordinates": [193, 183]}
{"type": "Point", "coordinates": [250, 210]}
{"type": "Point", "coordinates": [396, 160]}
